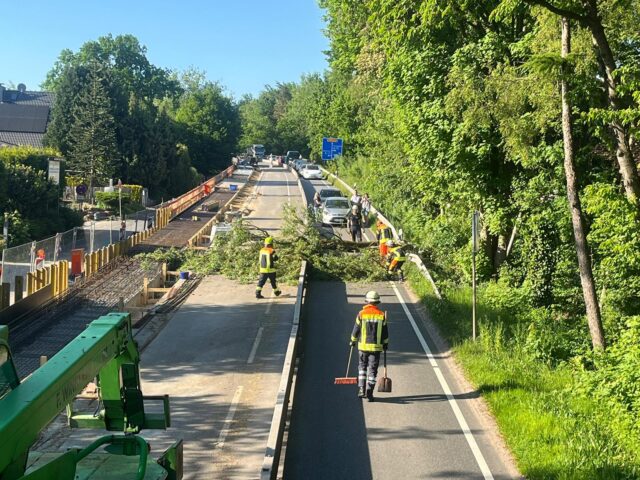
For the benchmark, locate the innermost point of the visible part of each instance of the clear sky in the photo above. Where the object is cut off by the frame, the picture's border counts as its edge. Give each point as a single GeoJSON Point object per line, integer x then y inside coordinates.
{"type": "Point", "coordinates": [243, 44]}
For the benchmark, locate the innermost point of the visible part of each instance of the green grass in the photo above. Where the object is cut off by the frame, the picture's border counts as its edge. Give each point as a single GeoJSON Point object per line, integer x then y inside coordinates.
{"type": "Point", "coordinates": [553, 431]}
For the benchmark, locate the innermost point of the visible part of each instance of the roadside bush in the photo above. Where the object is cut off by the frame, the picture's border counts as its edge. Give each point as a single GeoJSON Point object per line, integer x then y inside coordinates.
{"type": "Point", "coordinates": [111, 200]}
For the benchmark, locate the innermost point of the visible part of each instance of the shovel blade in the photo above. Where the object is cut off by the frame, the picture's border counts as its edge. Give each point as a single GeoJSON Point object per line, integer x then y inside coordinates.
{"type": "Point", "coordinates": [384, 385]}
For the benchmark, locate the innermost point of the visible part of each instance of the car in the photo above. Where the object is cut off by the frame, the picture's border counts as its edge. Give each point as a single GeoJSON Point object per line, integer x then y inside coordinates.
{"type": "Point", "coordinates": [299, 164]}
{"type": "Point", "coordinates": [101, 216]}
{"type": "Point", "coordinates": [329, 192]}
{"type": "Point", "coordinates": [310, 171]}
{"type": "Point", "coordinates": [335, 211]}
{"type": "Point", "coordinates": [244, 170]}
{"type": "Point", "coordinates": [291, 156]}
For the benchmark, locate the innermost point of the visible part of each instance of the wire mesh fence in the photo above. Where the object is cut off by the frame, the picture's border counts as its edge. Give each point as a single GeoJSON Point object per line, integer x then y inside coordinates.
{"type": "Point", "coordinates": [22, 259]}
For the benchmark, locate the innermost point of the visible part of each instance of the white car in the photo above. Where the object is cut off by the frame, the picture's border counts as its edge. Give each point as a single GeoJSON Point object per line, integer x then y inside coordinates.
{"type": "Point", "coordinates": [243, 170]}
{"type": "Point", "coordinates": [310, 171]}
{"type": "Point", "coordinates": [335, 211]}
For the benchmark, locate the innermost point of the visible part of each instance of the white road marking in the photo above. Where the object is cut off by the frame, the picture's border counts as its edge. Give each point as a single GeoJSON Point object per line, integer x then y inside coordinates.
{"type": "Point", "coordinates": [464, 426]}
{"type": "Point", "coordinates": [227, 421]}
{"type": "Point", "coordinates": [286, 179]}
{"type": "Point", "coordinates": [256, 342]}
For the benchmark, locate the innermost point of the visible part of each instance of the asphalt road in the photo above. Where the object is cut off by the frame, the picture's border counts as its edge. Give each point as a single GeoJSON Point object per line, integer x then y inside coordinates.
{"type": "Point", "coordinates": [220, 359]}
{"type": "Point", "coordinates": [431, 426]}
{"type": "Point", "coordinates": [413, 432]}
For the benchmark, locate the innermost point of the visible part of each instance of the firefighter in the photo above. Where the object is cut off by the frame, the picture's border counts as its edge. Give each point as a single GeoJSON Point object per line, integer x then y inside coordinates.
{"type": "Point", "coordinates": [395, 259]}
{"type": "Point", "coordinates": [371, 335]}
{"type": "Point", "coordinates": [383, 234]}
{"type": "Point", "coordinates": [267, 263]}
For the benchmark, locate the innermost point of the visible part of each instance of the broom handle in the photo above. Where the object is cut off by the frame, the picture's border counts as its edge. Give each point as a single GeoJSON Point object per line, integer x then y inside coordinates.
{"type": "Point", "coordinates": [349, 361]}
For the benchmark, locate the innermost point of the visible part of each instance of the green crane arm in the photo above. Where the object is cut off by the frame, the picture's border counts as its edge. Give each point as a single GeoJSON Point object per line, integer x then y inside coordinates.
{"type": "Point", "coordinates": [106, 349]}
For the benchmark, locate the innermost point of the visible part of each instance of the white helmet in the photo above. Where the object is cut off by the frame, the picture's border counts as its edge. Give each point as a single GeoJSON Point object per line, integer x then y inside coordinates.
{"type": "Point", "coordinates": [372, 297]}
{"type": "Point", "coordinates": [391, 243]}
{"type": "Point", "coordinates": [354, 208]}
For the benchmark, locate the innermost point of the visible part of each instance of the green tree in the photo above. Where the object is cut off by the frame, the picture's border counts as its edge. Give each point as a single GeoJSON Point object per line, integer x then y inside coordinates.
{"type": "Point", "coordinates": [93, 150]}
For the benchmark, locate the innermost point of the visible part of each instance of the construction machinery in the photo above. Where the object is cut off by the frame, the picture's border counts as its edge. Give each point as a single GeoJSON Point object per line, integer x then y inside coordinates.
{"type": "Point", "coordinates": [105, 353]}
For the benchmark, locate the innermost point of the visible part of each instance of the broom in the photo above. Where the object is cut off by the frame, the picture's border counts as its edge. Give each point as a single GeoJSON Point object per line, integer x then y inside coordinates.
{"type": "Point", "coordinates": [347, 380]}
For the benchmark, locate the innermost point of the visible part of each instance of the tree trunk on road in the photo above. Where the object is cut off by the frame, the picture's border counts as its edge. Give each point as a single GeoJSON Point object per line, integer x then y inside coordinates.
{"type": "Point", "coordinates": [579, 231]}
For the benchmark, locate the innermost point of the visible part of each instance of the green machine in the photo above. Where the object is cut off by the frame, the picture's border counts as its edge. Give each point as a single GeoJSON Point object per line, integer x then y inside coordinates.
{"type": "Point", "coordinates": [105, 351]}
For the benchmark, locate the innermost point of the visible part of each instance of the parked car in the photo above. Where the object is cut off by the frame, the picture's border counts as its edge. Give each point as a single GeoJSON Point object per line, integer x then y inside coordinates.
{"type": "Point", "coordinates": [310, 171]}
{"type": "Point", "coordinates": [329, 192]}
{"type": "Point", "coordinates": [335, 210]}
{"type": "Point", "coordinates": [101, 216]}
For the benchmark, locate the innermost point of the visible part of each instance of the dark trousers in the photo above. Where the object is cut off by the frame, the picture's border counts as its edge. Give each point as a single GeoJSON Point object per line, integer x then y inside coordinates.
{"type": "Point", "coordinates": [356, 232]}
{"type": "Point", "coordinates": [368, 361]}
{"type": "Point", "coordinates": [263, 279]}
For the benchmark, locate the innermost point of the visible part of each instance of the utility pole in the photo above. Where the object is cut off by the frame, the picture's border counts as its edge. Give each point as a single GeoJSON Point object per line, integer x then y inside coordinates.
{"type": "Point", "coordinates": [474, 241]}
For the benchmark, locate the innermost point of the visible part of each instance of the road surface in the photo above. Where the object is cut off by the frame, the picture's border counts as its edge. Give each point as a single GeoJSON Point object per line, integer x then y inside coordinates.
{"type": "Point", "coordinates": [220, 359]}
{"type": "Point", "coordinates": [430, 426]}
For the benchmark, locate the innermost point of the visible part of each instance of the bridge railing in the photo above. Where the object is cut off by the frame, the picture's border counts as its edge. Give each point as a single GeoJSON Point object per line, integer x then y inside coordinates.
{"type": "Point", "coordinates": [273, 451]}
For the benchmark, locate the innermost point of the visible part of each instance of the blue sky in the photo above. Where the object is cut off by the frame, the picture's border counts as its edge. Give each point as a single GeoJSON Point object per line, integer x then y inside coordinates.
{"type": "Point", "coordinates": [243, 44]}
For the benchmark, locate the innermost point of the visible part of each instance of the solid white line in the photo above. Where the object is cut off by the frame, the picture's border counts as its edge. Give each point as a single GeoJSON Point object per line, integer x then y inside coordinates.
{"type": "Point", "coordinates": [464, 426]}
{"type": "Point", "coordinates": [227, 421]}
{"type": "Point", "coordinates": [254, 349]}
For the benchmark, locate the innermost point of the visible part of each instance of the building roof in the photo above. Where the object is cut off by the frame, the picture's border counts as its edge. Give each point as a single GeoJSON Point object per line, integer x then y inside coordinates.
{"type": "Point", "coordinates": [23, 116]}
{"type": "Point", "coordinates": [15, 139]}
{"type": "Point", "coordinates": [41, 99]}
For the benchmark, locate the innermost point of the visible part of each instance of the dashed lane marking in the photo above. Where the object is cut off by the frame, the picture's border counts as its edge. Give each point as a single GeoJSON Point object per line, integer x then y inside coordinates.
{"type": "Point", "coordinates": [256, 342]}
{"type": "Point", "coordinates": [229, 420]}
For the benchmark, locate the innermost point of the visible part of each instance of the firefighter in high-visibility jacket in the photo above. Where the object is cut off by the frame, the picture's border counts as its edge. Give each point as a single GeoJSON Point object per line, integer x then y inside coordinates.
{"type": "Point", "coordinates": [267, 264]}
{"type": "Point", "coordinates": [395, 259]}
{"type": "Point", "coordinates": [383, 235]}
{"type": "Point", "coordinates": [371, 335]}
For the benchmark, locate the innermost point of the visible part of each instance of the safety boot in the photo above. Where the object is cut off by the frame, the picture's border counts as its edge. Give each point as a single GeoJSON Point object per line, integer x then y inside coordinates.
{"type": "Point", "coordinates": [277, 293]}
{"type": "Point", "coordinates": [370, 394]}
{"type": "Point", "coordinates": [259, 295]}
{"type": "Point", "coordinates": [361, 393]}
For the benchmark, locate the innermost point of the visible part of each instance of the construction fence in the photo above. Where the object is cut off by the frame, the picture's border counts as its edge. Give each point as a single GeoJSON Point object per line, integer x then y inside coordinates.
{"type": "Point", "coordinates": [30, 257]}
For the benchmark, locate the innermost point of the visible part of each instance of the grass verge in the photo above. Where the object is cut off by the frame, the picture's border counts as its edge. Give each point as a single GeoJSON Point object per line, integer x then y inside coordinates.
{"type": "Point", "coordinates": [553, 429]}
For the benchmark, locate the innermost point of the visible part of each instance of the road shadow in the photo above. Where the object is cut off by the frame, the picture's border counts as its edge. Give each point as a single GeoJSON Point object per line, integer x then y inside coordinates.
{"type": "Point", "coordinates": [328, 434]}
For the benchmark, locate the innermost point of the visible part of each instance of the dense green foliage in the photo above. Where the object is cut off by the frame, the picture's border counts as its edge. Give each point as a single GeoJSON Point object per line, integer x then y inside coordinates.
{"type": "Point", "coordinates": [449, 107]}
{"type": "Point", "coordinates": [151, 127]}
{"type": "Point", "coordinates": [29, 198]}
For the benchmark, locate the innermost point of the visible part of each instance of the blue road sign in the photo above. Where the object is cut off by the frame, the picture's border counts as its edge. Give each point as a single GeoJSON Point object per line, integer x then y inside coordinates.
{"type": "Point", "coordinates": [331, 147]}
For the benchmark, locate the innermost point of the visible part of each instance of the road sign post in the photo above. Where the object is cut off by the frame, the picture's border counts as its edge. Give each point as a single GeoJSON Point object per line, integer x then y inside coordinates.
{"type": "Point", "coordinates": [331, 148]}
{"type": "Point", "coordinates": [474, 241]}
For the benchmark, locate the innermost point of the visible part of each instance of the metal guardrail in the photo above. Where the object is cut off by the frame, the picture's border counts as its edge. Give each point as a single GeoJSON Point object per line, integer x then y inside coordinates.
{"type": "Point", "coordinates": [412, 256]}
{"type": "Point", "coordinates": [271, 460]}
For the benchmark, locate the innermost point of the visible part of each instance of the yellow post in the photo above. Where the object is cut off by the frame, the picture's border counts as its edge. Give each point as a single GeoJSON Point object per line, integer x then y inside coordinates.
{"type": "Point", "coordinates": [95, 265]}
{"type": "Point", "coordinates": [29, 284]}
{"type": "Point", "coordinates": [164, 272]}
{"type": "Point", "coordinates": [53, 273]}
{"type": "Point", "coordinates": [87, 265]}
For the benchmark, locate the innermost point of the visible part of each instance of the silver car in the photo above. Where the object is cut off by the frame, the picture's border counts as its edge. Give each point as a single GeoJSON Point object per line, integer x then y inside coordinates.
{"type": "Point", "coordinates": [335, 211]}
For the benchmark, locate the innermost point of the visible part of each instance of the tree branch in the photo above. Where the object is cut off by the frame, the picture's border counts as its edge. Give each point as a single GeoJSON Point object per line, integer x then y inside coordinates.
{"type": "Point", "coordinates": [558, 10]}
